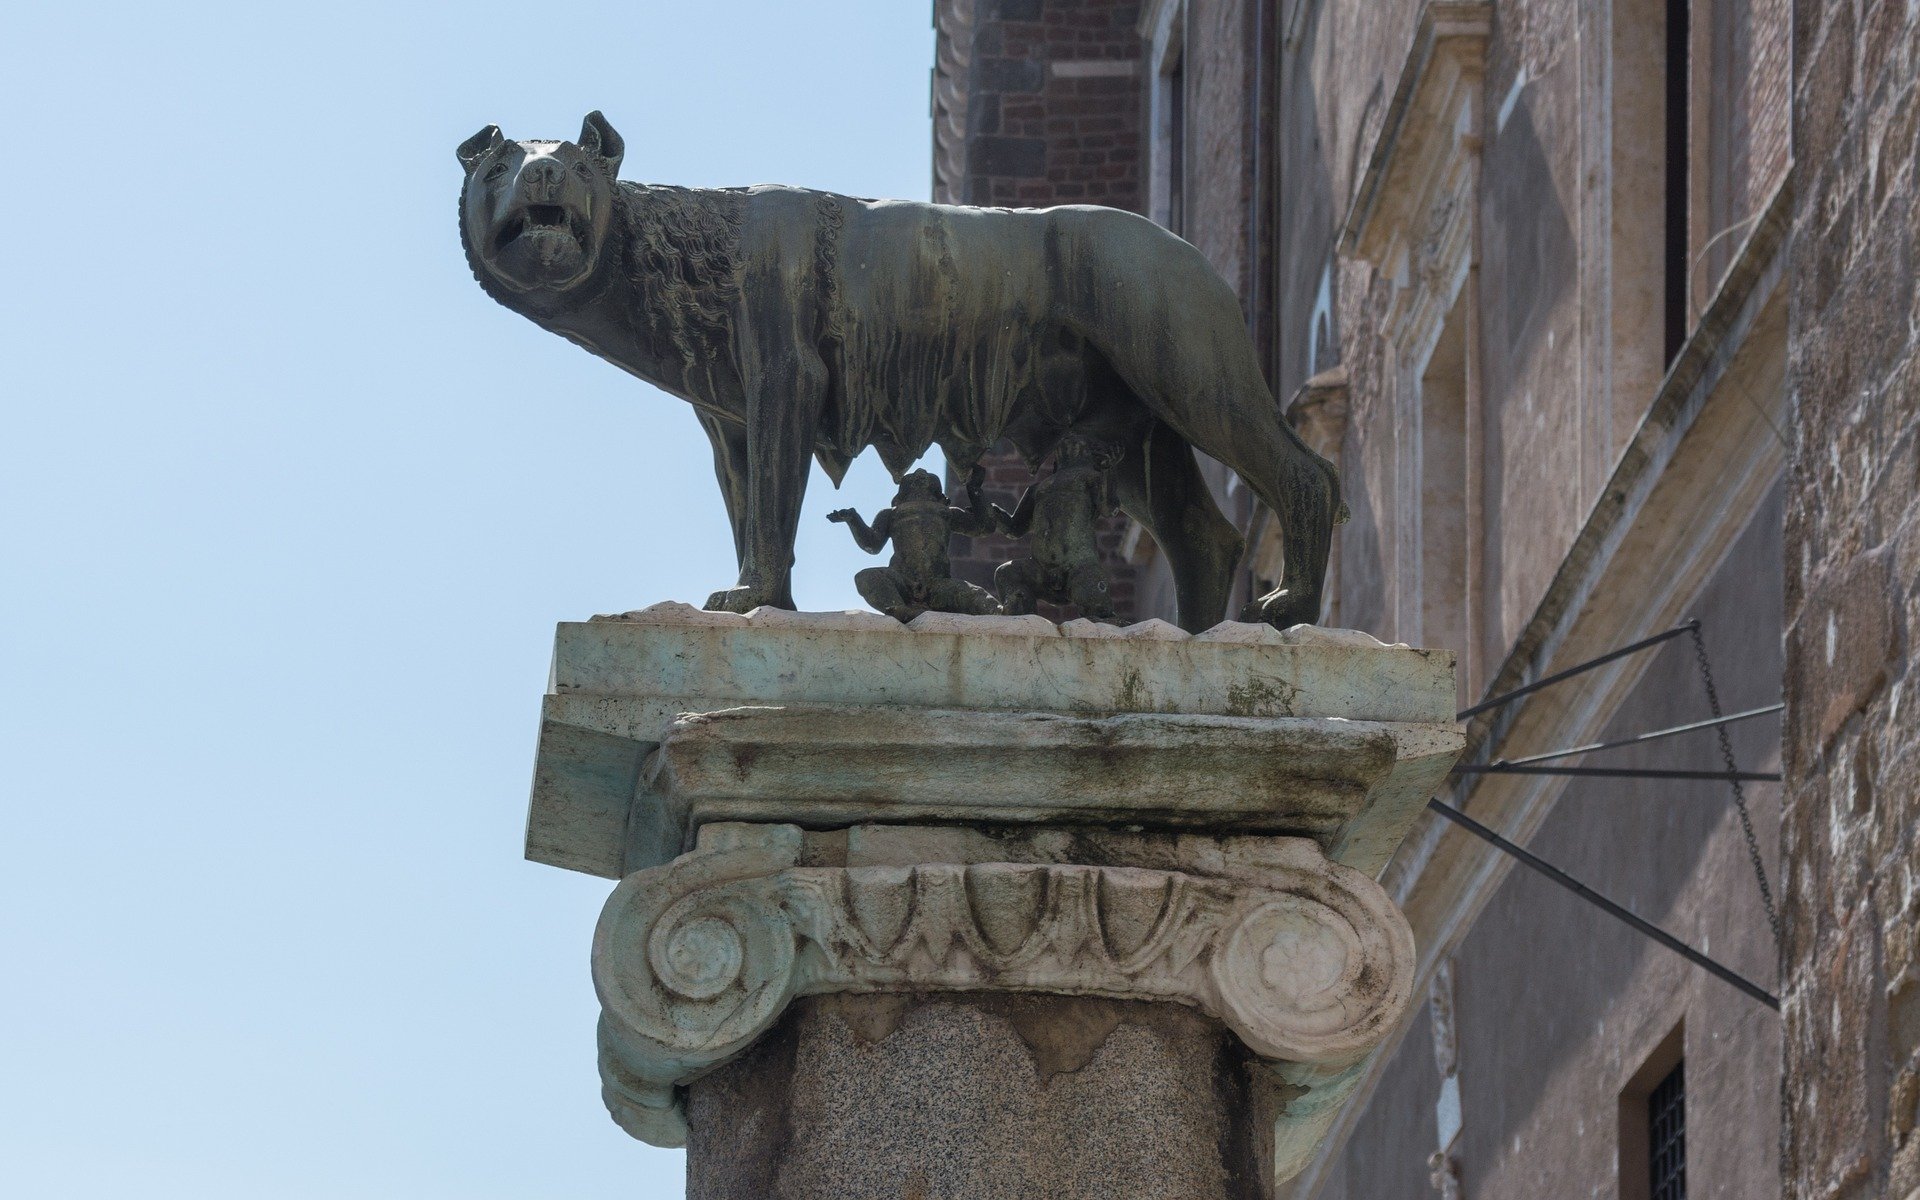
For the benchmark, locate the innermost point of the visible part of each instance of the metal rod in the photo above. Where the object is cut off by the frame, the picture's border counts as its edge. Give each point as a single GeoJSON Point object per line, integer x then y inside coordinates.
{"type": "Point", "coordinates": [1637, 738]}
{"type": "Point", "coordinates": [1619, 773]}
{"type": "Point", "coordinates": [1595, 898]}
{"type": "Point", "coordinates": [1570, 672]}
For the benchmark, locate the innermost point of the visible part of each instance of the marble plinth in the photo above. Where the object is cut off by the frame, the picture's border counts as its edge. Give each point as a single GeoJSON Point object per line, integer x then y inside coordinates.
{"type": "Point", "coordinates": [621, 687]}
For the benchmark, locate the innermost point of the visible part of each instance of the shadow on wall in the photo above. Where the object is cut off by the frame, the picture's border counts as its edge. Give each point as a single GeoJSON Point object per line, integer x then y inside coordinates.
{"type": "Point", "coordinates": [1529, 264]}
{"type": "Point", "coordinates": [1543, 972]}
{"type": "Point", "coordinates": [1531, 255]}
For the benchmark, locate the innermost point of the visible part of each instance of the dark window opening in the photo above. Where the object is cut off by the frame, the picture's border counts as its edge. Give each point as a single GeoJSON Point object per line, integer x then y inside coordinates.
{"type": "Point", "coordinates": [1667, 1136]}
{"type": "Point", "coordinates": [1679, 29]}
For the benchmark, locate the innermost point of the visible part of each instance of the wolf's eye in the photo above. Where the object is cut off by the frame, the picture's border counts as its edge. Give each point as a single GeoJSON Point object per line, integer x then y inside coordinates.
{"type": "Point", "coordinates": [582, 167]}
{"type": "Point", "coordinates": [496, 171]}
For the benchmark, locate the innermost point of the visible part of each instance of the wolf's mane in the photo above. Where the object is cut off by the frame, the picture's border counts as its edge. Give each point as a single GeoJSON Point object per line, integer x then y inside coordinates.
{"type": "Point", "coordinates": [682, 249]}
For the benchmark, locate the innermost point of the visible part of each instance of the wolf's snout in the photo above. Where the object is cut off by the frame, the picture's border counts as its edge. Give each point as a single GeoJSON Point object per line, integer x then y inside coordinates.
{"type": "Point", "coordinates": [540, 180]}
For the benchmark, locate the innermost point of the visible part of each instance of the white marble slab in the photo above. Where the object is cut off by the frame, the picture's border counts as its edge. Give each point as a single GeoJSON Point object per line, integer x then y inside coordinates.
{"type": "Point", "coordinates": [619, 685]}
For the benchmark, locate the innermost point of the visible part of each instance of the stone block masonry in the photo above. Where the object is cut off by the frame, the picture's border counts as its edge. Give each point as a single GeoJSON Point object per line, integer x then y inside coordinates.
{"type": "Point", "coordinates": [1851, 829]}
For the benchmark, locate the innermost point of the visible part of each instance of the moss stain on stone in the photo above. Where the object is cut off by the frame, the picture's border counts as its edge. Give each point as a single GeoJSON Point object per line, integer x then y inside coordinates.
{"type": "Point", "coordinates": [1261, 698]}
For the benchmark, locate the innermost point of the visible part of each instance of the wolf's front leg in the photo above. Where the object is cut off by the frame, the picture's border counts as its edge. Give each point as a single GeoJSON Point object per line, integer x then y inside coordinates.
{"type": "Point", "coordinates": [730, 470]}
{"type": "Point", "coordinates": [784, 401]}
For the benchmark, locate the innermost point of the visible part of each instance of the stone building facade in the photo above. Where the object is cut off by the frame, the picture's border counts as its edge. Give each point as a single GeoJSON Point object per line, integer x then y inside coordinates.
{"type": "Point", "coordinates": [1852, 836]}
{"type": "Point", "coordinates": [1606, 311]}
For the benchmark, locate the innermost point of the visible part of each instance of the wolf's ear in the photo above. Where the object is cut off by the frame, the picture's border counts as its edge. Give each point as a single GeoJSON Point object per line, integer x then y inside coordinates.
{"type": "Point", "coordinates": [599, 139]}
{"type": "Point", "coordinates": [480, 143]}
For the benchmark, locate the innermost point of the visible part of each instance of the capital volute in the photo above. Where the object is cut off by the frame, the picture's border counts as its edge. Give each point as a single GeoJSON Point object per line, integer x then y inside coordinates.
{"type": "Point", "coordinates": [1304, 960]}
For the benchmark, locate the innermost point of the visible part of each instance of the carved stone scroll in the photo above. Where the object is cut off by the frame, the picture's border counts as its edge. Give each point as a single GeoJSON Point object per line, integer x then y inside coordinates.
{"type": "Point", "coordinates": [696, 959]}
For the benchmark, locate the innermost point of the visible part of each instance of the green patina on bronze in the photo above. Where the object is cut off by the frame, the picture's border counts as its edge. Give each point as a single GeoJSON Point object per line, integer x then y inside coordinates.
{"type": "Point", "coordinates": [802, 323]}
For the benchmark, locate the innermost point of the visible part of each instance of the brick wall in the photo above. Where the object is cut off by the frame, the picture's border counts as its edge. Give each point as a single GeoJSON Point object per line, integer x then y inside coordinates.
{"type": "Point", "coordinates": [1048, 120]}
{"type": "Point", "coordinates": [1053, 116]}
{"type": "Point", "coordinates": [1852, 744]}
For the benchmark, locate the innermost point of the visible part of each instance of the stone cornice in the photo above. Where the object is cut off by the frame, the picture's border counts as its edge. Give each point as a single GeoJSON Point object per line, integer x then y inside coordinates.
{"type": "Point", "coordinates": [1433, 111]}
{"type": "Point", "coordinates": [1280, 775]}
{"type": "Point", "coordinates": [621, 688]}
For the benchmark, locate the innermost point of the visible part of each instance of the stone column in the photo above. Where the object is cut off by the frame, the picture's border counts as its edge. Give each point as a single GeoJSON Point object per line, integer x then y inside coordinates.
{"type": "Point", "coordinates": [977, 1094]}
{"type": "Point", "coordinates": [980, 908]}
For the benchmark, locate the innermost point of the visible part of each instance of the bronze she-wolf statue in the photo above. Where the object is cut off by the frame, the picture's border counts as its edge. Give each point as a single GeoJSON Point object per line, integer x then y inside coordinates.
{"type": "Point", "coordinates": [801, 323]}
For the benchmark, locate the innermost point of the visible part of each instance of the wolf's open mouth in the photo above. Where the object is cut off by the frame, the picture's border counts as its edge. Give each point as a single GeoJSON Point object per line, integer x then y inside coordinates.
{"type": "Point", "coordinates": [549, 218]}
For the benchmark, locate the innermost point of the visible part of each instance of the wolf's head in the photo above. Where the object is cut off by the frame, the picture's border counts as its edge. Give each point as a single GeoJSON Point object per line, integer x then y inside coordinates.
{"type": "Point", "coordinates": [535, 215]}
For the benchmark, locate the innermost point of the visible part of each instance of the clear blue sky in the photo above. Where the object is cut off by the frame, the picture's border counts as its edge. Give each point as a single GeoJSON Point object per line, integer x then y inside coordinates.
{"type": "Point", "coordinates": [289, 510]}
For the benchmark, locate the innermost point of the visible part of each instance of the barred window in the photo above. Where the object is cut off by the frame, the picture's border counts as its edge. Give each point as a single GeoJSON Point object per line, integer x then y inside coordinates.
{"type": "Point", "coordinates": [1667, 1136]}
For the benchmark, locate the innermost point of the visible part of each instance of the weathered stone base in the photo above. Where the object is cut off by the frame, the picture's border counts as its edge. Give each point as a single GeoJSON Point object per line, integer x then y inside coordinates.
{"type": "Point", "coordinates": [981, 907]}
{"type": "Point", "coordinates": [979, 1096]}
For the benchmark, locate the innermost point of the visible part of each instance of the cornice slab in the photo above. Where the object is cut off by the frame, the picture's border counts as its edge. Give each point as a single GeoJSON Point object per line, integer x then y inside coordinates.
{"type": "Point", "coordinates": [835, 766]}
{"type": "Point", "coordinates": [665, 719]}
{"type": "Point", "coordinates": [1434, 113]}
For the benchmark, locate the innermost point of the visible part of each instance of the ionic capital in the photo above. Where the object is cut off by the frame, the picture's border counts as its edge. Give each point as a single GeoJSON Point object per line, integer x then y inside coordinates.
{"type": "Point", "coordinates": [1305, 960]}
